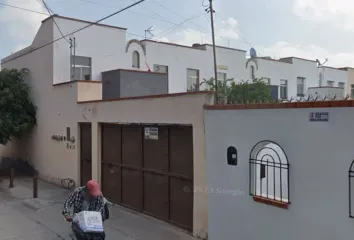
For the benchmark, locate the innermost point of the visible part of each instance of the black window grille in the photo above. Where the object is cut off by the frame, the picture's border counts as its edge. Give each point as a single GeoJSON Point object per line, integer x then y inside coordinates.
{"type": "Point", "coordinates": [269, 172]}
{"type": "Point", "coordinates": [351, 177]}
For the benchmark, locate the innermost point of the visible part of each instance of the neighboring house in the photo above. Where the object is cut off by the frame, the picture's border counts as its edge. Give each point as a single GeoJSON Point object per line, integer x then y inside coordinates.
{"type": "Point", "coordinates": [292, 77]}
{"type": "Point", "coordinates": [350, 81]}
{"type": "Point", "coordinates": [146, 152]}
{"type": "Point", "coordinates": [100, 48]}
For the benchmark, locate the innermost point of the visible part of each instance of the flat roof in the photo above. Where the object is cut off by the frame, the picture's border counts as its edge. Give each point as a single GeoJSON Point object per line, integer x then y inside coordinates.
{"type": "Point", "coordinates": [197, 48]}
{"type": "Point", "coordinates": [255, 106]}
{"type": "Point", "coordinates": [83, 21]}
{"type": "Point", "coordinates": [148, 97]}
{"type": "Point", "coordinates": [304, 59]}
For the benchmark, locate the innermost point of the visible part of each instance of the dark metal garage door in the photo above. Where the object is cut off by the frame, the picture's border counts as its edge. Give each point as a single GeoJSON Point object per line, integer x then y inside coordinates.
{"type": "Point", "coordinates": [150, 174]}
{"type": "Point", "coordinates": [85, 152]}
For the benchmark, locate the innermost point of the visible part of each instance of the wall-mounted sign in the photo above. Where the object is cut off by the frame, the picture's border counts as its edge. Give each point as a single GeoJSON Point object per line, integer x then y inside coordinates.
{"type": "Point", "coordinates": [151, 133]}
{"type": "Point", "coordinates": [318, 116]}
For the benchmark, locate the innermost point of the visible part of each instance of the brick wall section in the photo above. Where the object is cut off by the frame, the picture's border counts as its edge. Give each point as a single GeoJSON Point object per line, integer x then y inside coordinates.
{"type": "Point", "coordinates": [317, 104]}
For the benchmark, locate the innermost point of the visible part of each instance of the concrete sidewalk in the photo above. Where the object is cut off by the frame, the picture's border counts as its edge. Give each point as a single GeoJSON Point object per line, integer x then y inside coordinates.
{"type": "Point", "coordinates": [24, 218]}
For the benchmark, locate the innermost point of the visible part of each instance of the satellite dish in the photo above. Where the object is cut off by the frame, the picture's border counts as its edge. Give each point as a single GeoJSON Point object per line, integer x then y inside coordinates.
{"type": "Point", "coordinates": [253, 53]}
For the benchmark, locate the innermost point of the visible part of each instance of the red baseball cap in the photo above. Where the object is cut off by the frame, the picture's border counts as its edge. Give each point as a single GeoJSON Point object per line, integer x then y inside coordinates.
{"type": "Point", "coordinates": [94, 188]}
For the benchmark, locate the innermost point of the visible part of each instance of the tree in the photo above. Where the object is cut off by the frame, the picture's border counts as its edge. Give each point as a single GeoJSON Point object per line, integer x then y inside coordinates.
{"type": "Point", "coordinates": [17, 113]}
{"type": "Point", "coordinates": [241, 92]}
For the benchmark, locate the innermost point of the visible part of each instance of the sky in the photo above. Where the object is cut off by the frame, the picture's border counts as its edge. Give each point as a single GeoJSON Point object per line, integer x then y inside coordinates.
{"type": "Point", "coordinates": [311, 29]}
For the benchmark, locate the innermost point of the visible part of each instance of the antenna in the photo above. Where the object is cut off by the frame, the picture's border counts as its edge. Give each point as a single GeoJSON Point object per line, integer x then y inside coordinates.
{"type": "Point", "coordinates": [321, 74]}
{"type": "Point", "coordinates": [149, 31]}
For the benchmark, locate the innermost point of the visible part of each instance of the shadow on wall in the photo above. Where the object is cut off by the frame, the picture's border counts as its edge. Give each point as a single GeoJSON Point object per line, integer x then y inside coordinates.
{"type": "Point", "coordinates": [21, 167]}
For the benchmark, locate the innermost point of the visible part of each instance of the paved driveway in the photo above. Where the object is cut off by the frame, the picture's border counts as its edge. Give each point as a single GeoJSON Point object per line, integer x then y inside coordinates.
{"type": "Point", "coordinates": [22, 218]}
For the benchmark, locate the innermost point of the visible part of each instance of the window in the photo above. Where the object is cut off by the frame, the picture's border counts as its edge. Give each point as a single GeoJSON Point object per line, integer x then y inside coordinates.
{"type": "Point", "coordinates": [300, 86]}
{"type": "Point", "coordinates": [352, 91]}
{"type": "Point", "coordinates": [136, 60]}
{"type": "Point", "coordinates": [269, 174]}
{"type": "Point", "coordinates": [192, 79]}
{"type": "Point", "coordinates": [160, 68]}
{"type": "Point", "coordinates": [284, 89]}
{"type": "Point", "coordinates": [81, 68]}
{"type": "Point", "coordinates": [330, 83]}
{"type": "Point", "coordinates": [252, 72]}
{"type": "Point", "coordinates": [341, 85]}
{"type": "Point", "coordinates": [221, 76]}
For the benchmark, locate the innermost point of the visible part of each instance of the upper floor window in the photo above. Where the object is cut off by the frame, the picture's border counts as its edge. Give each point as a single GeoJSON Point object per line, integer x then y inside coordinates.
{"type": "Point", "coordinates": [221, 76]}
{"type": "Point", "coordinates": [81, 68]}
{"type": "Point", "coordinates": [341, 85]}
{"type": "Point", "coordinates": [300, 86]}
{"type": "Point", "coordinates": [252, 76]}
{"type": "Point", "coordinates": [136, 60]}
{"type": "Point", "coordinates": [160, 68]}
{"type": "Point", "coordinates": [330, 83]}
{"type": "Point", "coordinates": [283, 89]}
{"type": "Point", "coordinates": [192, 79]}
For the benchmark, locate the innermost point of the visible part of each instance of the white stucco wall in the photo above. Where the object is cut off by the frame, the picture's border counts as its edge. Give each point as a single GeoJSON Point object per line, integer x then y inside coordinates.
{"type": "Point", "coordinates": [277, 70]}
{"type": "Point", "coordinates": [318, 174]}
{"type": "Point", "coordinates": [179, 58]}
{"type": "Point", "coordinates": [105, 45]}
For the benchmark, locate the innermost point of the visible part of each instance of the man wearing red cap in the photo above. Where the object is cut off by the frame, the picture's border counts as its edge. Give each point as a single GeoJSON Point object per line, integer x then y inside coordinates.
{"type": "Point", "coordinates": [86, 198]}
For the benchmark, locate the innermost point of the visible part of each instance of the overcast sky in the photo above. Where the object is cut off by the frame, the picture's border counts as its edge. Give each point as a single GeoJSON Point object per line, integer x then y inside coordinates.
{"type": "Point", "coordinates": [277, 28]}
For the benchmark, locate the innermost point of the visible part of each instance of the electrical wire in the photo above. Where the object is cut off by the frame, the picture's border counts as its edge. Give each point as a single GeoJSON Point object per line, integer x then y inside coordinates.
{"type": "Point", "coordinates": [176, 13]}
{"type": "Point", "coordinates": [24, 9]}
{"type": "Point", "coordinates": [239, 34]}
{"type": "Point", "coordinates": [159, 17]}
{"type": "Point", "coordinates": [80, 29]}
{"type": "Point", "coordinates": [55, 22]}
{"type": "Point", "coordinates": [169, 30]}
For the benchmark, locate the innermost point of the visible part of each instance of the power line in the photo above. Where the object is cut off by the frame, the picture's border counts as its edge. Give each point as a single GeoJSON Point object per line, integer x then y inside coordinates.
{"type": "Point", "coordinates": [24, 9]}
{"type": "Point", "coordinates": [169, 30]}
{"type": "Point", "coordinates": [159, 17]}
{"type": "Point", "coordinates": [176, 13]}
{"type": "Point", "coordinates": [55, 22]}
{"type": "Point", "coordinates": [78, 30]}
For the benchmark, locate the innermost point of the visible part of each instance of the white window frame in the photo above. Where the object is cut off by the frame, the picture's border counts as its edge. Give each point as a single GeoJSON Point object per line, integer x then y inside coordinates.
{"type": "Point", "coordinates": [283, 85]}
{"type": "Point", "coordinates": [196, 81]}
{"type": "Point", "coordinates": [330, 83]}
{"type": "Point", "coordinates": [224, 74]}
{"type": "Point", "coordinates": [137, 55]}
{"type": "Point", "coordinates": [300, 91]}
{"type": "Point", "coordinates": [81, 67]}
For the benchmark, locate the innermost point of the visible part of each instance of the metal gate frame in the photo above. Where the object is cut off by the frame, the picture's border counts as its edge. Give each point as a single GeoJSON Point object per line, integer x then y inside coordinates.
{"type": "Point", "coordinates": [142, 170]}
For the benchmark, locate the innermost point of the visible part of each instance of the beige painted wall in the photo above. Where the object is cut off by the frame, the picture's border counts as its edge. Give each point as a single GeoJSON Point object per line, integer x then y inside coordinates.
{"type": "Point", "coordinates": [170, 110]}
{"type": "Point", "coordinates": [89, 90]}
{"type": "Point", "coordinates": [58, 109]}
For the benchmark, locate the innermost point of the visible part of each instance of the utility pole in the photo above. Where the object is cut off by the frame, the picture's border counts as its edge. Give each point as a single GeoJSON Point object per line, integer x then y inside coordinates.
{"type": "Point", "coordinates": [211, 11]}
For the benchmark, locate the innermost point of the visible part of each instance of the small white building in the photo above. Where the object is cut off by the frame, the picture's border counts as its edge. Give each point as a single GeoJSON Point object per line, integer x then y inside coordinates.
{"type": "Point", "coordinates": [84, 55]}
